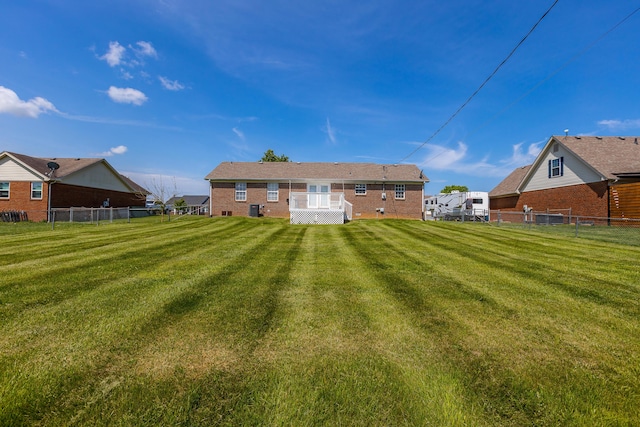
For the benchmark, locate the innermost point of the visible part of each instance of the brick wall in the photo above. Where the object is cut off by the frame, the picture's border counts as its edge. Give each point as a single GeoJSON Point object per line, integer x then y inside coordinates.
{"type": "Point", "coordinates": [366, 206]}
{"type": "Point", "coordinates": [584, 199]}
{"type": "Point", "coordinates": [223, 200]}
{"type": "Point", "coordinates": [20, 200]}
{"type": "Point", "coordinates": [64, 196]}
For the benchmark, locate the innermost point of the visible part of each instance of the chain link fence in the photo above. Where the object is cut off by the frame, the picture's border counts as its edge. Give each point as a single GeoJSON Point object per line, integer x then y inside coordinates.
{"type": "Point", "coordinates": [78, 215]}
{"type": "Point", "coordinates": [562, 222]}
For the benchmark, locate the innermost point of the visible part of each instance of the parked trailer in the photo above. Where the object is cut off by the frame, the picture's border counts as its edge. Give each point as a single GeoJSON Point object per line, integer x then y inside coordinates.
{"type": "Point", "coordinates": [458, 206]}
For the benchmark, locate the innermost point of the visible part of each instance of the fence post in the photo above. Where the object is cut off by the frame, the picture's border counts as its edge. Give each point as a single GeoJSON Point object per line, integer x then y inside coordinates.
{"type": "Point", "coordinates": [577, 222]}
{"type": "Point", "coordinates": [569, 215]}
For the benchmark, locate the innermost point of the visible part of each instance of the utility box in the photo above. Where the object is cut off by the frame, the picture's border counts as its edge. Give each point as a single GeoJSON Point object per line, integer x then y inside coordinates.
{"type": "Point", "coordinates": [254, 210]}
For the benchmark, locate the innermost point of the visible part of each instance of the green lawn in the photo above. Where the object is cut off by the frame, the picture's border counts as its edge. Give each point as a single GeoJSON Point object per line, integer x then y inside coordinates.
{"type": "Point", "coordinates": [252, 321]}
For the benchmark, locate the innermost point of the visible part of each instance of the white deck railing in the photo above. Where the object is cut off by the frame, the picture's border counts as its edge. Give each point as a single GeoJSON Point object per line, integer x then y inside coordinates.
{"type": "Point", "coordinates": [317, 202]}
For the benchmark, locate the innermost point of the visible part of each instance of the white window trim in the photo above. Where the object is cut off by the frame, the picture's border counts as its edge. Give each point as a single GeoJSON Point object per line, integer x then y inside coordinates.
{"type": "Point", "coordinates": [41, 189]}
{"type": "Point", "coordinates": [8, 190]}
{"type": "Point", "coordinates": [272, 192]}
{"type": "Point", "coordinates": [559, 168]}
{"type": "Point", "coordinates": [403, 191]}
{"type": "Point", "coordinates": [361, 193]}
{"type": "Point", "coordinates": [241, 190]}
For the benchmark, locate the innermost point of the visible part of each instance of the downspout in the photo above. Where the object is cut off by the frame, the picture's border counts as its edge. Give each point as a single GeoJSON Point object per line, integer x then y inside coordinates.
{"type": "Point", "coordinates": [210, 199]}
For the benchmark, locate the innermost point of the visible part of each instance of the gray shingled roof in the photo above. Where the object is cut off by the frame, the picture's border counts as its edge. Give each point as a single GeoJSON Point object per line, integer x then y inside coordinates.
{"type": "Point", "coordinates": [609, 155]}
{"type": "Point", "coordinates": [297, 171]}
{"type": "Point", "coordinates": [509, 185]}
{"type": "Point", "coordinates": [189, 200]}
{"type": "Point", "coordinates": [68, 166]}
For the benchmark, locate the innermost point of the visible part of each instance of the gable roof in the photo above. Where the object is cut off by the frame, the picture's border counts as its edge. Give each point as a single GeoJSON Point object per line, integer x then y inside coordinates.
{"type": "Point", "coordinates": [67, 167]}
{"type": "Point", "coordinates": [189, 200]}
{"type": "Point", "coordinates": [509, 186]}
{"type": "Point", "coordinates": [39, 165]}
{"type": "Point", "coordinates": [298, 171]}
{"type": "Point", "coordinates": [608, 155]}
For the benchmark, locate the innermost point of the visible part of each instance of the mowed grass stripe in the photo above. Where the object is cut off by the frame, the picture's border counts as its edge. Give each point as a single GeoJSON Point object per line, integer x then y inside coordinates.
{"type": "Point", "coordinates": [137, 300]}
{"type": "Point", "coordinates": [255, 321]}
{"type": "Point", "coordinates": [211, 331]}
{"type": "Point", "coordinates": [560, 329]}
{"type": "Point", "coordinates": [33, 284]}
{"type": "Point", "coordinates": [342, 336]}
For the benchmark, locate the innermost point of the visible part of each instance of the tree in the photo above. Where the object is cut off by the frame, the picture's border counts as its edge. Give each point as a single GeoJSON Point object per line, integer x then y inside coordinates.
{"type": "Point", "coordinates": [180, 206]}
{"type": "Point", "coordinates": [160, 193]}
{"type": "Point", "coordinates": [270, 156]}
{"type": "Point", "coordinates": [451, 188]}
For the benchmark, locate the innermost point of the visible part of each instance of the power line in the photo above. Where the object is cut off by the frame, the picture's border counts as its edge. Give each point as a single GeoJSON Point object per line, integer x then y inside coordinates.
{"type": "Point", "coordinates": [548, 77]}
{"type": "Point", "coordinates": [482, 85]}
{"type": "Point", "coordinates": [557, 70]}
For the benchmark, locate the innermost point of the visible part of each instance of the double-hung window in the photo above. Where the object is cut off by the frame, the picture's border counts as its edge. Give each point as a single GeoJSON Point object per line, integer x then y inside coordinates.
{"type": "Point", "coordinates": [361, 189]}
{"type": "Point", "coordinates": [4, 190]}
{"type": "Point", "coordinates": [272, 192]}
{"type": "Point", "coordinates": [36, 190]}
{"type": "Point", "coordinates": [556, 167]}
{"type": "Point", "coordinates": [241, 191]}
{"type": "Point", "coordinates": [400, 190]}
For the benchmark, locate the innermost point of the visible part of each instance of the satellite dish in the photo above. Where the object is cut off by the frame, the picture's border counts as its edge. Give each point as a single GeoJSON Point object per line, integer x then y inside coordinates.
{"type": "Point", "coordinates": [53, 165]}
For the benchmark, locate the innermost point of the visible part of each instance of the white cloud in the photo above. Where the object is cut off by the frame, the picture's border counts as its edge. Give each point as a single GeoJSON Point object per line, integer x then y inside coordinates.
{"type": "Point", "coordinates": [239, 133]}
{"type": "Point", "coordinates": [145, 49]}
{"type": "Point", "coordinates": [181, 184]}
{"type": "Point", "coordinates": [127, 95]}
{"type": "Point", "coordinates": [443, 158]}
{"type": "Point", "coordinates": [115, 54]}
{"type": "Point", "coordinates": [521, 158]}
{"type": "Point", "coordinates": [10, 103]}
{"type": "Point", "coordinates": [456, 160]}
{"type": "Point", "coordinates": [331, 136]}
{"type": "Point", "coordinates": [120, 149]}
{"type": "Point", "coordinates": [620, 124]}
{"type": "Point", "coordinates": [170, 85]}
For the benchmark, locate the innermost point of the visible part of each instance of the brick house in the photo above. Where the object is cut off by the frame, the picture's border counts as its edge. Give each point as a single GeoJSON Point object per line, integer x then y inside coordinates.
{"type": "Point", "coordinates": [34, 185]}
{"type": "Point", "coordinates": [193, 205]}
{"type": "Point", "coordinates": [317, 192]}
{"type": "Point", "coordinates": [592, 175]}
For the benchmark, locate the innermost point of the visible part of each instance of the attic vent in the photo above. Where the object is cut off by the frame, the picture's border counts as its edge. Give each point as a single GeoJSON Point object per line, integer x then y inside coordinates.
{"type": "Point", "coordinates": [598, 137]}
{"type": "Point", "coordinates": [555, 148]}
{"type": "Point", "coordinates": [578, 137]}
{"type": "Point", "coordinates": [622, 137]}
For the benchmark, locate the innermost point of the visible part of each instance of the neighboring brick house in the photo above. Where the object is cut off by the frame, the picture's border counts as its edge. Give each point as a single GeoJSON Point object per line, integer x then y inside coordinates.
{"type": "Point", "coordinates": [317, 192]}
{"type": "Point", "coordinates": [35, 185]}
{"type": "Point", "coordinates": [591, 175]}
{"type": "Point", "coordinates": [193, 205]}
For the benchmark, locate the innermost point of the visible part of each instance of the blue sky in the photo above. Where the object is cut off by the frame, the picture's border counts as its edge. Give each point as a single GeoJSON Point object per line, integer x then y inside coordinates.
{"type": "Point", "coordinates": [167, 89]}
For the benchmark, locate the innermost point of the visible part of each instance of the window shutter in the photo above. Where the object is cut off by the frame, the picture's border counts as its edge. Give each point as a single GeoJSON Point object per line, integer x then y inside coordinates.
{"type": "Point", "coordinates": [561, 166]}
{"type": "Point", "coordinates": [549, 168]}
